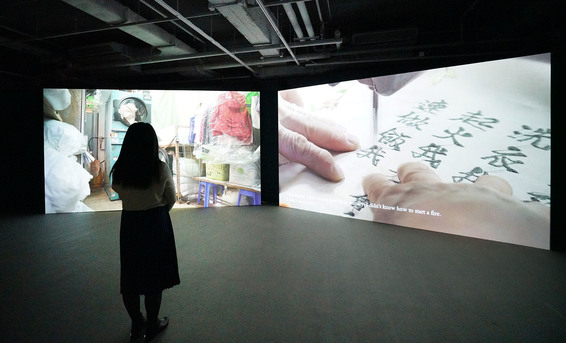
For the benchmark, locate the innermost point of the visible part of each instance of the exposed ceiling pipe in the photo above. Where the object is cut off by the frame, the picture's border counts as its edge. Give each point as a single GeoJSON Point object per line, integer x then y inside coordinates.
{"type": "Point", "coordinates": [319, 11]}
{"type": "Point", "coordinates": [202, 33]}
{"type": "Point", "coordinates": [173, 22]}
{"type": "Point", "coordinates": [293, 19]}
{"type": "Point", "coordinates": [102, 29]}
{"type": "Point", "coordinates": [120, 26]}
{"type": "Point", "coordinates": [268, 61]}
{"type": "Point", "coordinates": [272, 22]}
{"type": "Point", "coordinates": [249, 21]}
{"type": "Point", "coordinates": [306, 19]}
{"type": "Point", "coordinates": [113, 12]}
{"type": "Point", "coordinates": [204, 55]}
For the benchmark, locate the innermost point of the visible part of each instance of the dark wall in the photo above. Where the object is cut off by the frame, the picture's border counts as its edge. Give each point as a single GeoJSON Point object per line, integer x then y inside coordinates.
{"type": "Point", "coordinates": [21, 139]}
{"type": "Point", "coordinates": [269, 148]}
{"type": "Point", "coordinates": [558, 121]}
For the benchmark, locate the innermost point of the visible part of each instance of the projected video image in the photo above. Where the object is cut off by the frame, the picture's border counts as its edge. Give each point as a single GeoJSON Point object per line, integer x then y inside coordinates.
{"type": "Point", "coordinates": [209, 140]}
{"type": "Point", "coordinates": [463, 150]}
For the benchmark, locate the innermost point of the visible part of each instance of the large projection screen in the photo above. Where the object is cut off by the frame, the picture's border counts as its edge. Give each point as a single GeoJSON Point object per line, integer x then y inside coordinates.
{"type": "Point", "coordinates": [209, 139]}
{"type": "Point", "coordinates": [462, 149]}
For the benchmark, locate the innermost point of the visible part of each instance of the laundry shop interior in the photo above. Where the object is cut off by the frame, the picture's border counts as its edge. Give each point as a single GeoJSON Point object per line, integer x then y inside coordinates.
{"type": "Point", "coordinates": [209, 140]}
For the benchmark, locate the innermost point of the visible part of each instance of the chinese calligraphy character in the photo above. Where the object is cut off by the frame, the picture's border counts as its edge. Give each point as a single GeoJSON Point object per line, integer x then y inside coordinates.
{"type": "Point", "coordinates": [413, 119]}
{"type": "Point", "coordinates": [432, 106]}
{"type": "Point", "coordinates": [360, 201]}
{"type": "Point", "coordinates": [392, 138]}
{"type": "Point", "coordinates": [431, 151]}
{"type": "Point", "coordinates": [476, 120]}
{"type": "Point", "coordinates": [373, 153]}
{"type": "Point", "coordinates": [536, 136]}
{"type": "Point", "coordinates": [502, 158]}
{"type": "Point", "coordinates": [454, 134]}
{"type": "Point", "coordinates": [540, 197]}
{"type": "Point", "coordinates": [470, 176]}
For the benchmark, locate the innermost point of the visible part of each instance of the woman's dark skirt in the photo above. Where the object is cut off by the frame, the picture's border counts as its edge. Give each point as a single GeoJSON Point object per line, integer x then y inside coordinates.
{"type": "Point", "coordinates": [148, 256]}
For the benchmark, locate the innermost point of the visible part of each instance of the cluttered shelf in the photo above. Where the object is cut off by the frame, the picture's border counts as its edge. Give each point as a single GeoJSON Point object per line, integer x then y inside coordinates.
{"type": "Point", "coordinates": [221, 143]}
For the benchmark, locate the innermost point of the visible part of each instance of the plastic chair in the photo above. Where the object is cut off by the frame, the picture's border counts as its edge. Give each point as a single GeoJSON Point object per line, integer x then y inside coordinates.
{"type": "Point", "coordinates": [256, 196]}
{"type": "Point", "coordinates": [207, 186]}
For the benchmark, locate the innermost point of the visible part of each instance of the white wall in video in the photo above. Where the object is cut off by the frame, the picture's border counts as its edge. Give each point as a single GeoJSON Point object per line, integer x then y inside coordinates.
{"type": "Point", "coordinates": [209, 139]}
{"type": "Point", "coordinates": [463, 149]}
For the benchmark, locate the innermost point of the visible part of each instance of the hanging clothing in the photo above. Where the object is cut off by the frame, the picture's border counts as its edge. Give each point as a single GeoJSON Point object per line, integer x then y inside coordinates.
{"type": "Point", "coordinates": [231, 117]}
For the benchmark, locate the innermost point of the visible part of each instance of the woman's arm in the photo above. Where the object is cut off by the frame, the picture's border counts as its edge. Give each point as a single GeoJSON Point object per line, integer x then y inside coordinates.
{"type": "Point", "coordinates": [169, 195]}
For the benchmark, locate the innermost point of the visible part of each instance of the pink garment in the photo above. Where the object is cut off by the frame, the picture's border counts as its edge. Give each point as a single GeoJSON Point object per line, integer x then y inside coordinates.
{"type": "Point", "coordinates": [231, 117]}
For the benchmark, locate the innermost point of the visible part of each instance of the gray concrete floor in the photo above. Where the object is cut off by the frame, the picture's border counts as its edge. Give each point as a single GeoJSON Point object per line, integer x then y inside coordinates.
{"type": "Point", "coordinates": [271, 274]}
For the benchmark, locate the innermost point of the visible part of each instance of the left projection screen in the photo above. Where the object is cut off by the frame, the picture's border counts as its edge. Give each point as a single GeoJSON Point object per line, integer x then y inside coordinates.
{"type": "Point", "coordinates": [209, 139]}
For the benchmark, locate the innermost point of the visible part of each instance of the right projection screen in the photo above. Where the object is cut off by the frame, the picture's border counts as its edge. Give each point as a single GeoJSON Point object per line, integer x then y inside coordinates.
{"type": "Point", "coordinates": [463, 150]}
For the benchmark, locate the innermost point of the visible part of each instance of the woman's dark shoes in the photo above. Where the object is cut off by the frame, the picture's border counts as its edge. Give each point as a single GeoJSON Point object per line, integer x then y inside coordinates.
{"type": "Point", "coordinates": [138, 326]}
{"type": "Point", "coordinates": [155, 328]}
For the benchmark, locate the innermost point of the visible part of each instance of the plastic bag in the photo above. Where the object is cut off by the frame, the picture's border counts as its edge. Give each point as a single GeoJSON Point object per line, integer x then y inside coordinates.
{"type": "Point", "coordinates": [248, 174]}
{"type": "Point", "coordinates": [224, 150]}
{"type": "Point", "coordinates": [66, 182]}
{"type": "Point", "coordinates": [63, 137]}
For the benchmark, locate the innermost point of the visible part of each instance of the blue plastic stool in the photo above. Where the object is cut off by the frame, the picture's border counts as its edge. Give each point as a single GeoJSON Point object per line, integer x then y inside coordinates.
{"type": "Point", "coordinates": [207, 186]}
{"type": "Point", "coordinates": [256, 196]}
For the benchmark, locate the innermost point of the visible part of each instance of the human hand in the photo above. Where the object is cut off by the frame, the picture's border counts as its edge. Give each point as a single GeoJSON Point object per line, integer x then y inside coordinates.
{"type": "Point", "coordinates": [308, 140]}
{"type": "Point", "coordinates": [389, 84]}
{"type": "Point", "coordinates": [485, 209]}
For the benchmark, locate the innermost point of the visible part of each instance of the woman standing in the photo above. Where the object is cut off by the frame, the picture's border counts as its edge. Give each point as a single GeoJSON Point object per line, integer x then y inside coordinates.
{"type": "Point", "coordinates": [148, 255]}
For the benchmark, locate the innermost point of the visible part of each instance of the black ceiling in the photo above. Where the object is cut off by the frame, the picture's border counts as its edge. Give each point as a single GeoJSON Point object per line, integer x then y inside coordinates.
{"type": "Point", "coordinates": [190, 43]}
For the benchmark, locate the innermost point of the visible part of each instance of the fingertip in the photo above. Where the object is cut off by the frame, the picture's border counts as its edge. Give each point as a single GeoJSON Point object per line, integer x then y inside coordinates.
{"type": "Point", "coordinates": [353, 141]}
{"type": "Point", "coordinates": [335, 174]}
{"type": "Point", "coordinates": [320, 161]}
{"type": "Point", "coordinates": [416, 171]}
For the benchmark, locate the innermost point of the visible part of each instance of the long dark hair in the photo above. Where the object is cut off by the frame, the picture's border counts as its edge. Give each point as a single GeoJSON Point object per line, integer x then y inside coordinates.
{"type": "Point", "coordinates": [138, 163]}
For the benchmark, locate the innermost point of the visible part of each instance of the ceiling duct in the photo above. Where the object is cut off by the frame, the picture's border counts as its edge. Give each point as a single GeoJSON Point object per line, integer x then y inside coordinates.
{"type": "Point", "coordinates": [112, 13]}
{"type": "Point", "coordinates": [212, 54]}
{"type": "Point", "coordinates": [202, 33]}
{"type": "Point", "coordinates": [306, 19]}
{"type": "Point", "coordinates": [110, 52]}
{"type": "Point", "coordinates": [271, 21]}
{"type": "Point", "coordinates": [293, 19]}
{"type": "Point", "coordinates": [295, 22]}
{"type": "Point", "coordinates": [249, 21]}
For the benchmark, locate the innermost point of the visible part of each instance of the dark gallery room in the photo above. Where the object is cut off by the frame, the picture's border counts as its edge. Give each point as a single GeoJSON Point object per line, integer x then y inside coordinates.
{"type": "Point", "coordinates": [317, 171]}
